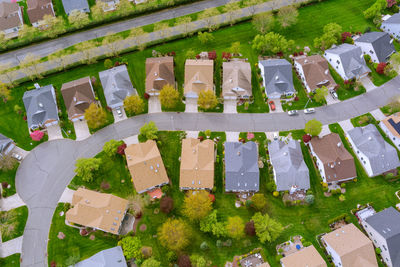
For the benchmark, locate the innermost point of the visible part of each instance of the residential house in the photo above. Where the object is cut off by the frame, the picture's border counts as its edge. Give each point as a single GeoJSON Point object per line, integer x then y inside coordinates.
{"type": "Point", "coordinates": [314, 72]}
{"type": "Point", "coordinates": [146, 166]}
{"type": "Point", "coordinates": [384, 229]}
{"type": "Point", "coordinates": [11, 19]}
{"type": "Point", "coordinates": [197, 164]}
{"type": "Point", "coordinates": [159, 72]}
{"type": "Point", "coordinates": [277, 77]}
{"type": "Point", "coordinates": [109, 5]}
{"type": "Point", "coordinates": [117, 86]}
{"type": "Point", "coordinates": [97, 210]}
{"type": "Point", "coordinates": [305, 257]}
{"type": "Point", "coordinates": [41, 107]}
{"type": "Point", "coordinates": [241, 167]}
{"type": "Point", "coordinates": [348, 61]}
{"type": "Point", "coordinates": [112, 257]}
{"type": "Point", "coordinates": [80, 5]}
{"type": "Point", "coordinates": [391, 25]}
{"type": "Point", "coordinates": [236, 82]}
{"type": "Point", "coordinates": [334, 162]}
{"type": "Point", "coordinates": [290, 170]}
{"type": "Point", "coordinates": [6, 145]}
{"type": "Point", "coordinates": [349, 247]}
{"type": "Point", "coordinates": [78, 95]}
{"type": "Point", "coordinates": [391, 127]}
{"type": "Point", "coordinates": [378, 45]}
{"type": "Point", "coordinates": [37, 9]}
{"type": "Point", "coordinates": [199, 75]}
{"type": "Point", "coordinates": [375, 154]}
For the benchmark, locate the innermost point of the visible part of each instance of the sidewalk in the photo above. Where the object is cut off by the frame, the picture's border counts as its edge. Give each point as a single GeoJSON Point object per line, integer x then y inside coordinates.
{"type": "Point", "coordinates": [11, 202]}
{"type": "Point", "coordinates": [11, 247]}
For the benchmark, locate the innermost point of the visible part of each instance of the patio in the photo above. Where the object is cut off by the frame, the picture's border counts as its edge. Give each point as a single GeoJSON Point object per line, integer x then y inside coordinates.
{"type": "Point", "coordinates": [296, 195]}
{"type": "Point", "coordinates": [252, 260]}
{"type": "Point", "coordinates": [290, 247]}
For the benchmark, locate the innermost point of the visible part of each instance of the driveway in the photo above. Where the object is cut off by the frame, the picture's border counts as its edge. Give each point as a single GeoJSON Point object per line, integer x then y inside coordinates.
{"type": "Point", "coordinates": [54, 132]}
{"type": "Point", "coordinates": [118, 118]}
{"type": "Point", "coordinates": [378, 114]}
{"type": "Point", "coordinates": [11, 247]}
{"type": "Point", "coordinates": [278, 106]}
{"type": "Point", "coordinates": [367, 83]}
{"type": "Point", "coordinates": [230, 106]}
{"type": "Point", "coordinates": [131, 140]}
{"type": "Point", "coordinates": [191, 105]}
{"type": "Point", "coordinates": [330, 100]}
{"type": "Point", "coordinates": [232, 136]}
{"type": "Point", "coordinates": [11, 202]}
{"type": "Point", "coordinates": [81, 130]}
{"type": "Point", "coordinates": [192, 134]}
{"type": "Point", "coordinates": [325, 131]}
{"type": "Point", "coordinates": [154, 104]}
{"type": "Point", "coordinates": [346, 125]}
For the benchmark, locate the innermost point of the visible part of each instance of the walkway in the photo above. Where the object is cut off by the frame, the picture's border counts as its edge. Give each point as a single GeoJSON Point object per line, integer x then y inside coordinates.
{"type": "Point", "coordinates": [11, 202]}
{"type": "Point", "coordinates": [11, 247]}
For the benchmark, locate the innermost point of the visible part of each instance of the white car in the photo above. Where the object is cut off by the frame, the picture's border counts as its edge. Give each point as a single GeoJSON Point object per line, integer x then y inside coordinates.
{"type": "Point", "coordinates": [334, 94]}
{"type": "Point", "coordinates": [16, 156]}
{"type": "Point", "coordinates": [292, 112]}
{"type": "Point", "coordinates": [276, 136]}
{"type": "Point", "coordinates": [119, 112]}
{"type": "Point", "coordinates": [309, 110]}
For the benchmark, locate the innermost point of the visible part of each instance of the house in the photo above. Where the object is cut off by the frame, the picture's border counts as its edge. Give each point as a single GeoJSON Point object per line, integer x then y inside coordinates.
{"type": "Point", "coordinates": [109, 5]}
{"type": "Point", "coordinates": [375, 154]}
{"type": "Point", "coordinates": [391, 25]}
{"type": "Point", "coordinates": [306, 257]}
{"type": "Point", "coordinates": [80, 5]}
{"type": "Point", "coordinates": [236, 82]}
{"type": "Point", "coordinates": [117, 86]}
{"type": "Point", "coordinates": [314, 72]}
{"type": "Point", "coordinates": [97, 210]}
{"type": "Point", "coordinates": [159, 72]}
{"type": "Point", "coordinates": [41, 107]}
{"type": "Point", "coordinates": [78, 95]}
{"type": "Point", "coordinates": [378, 45]}
{"type": "Point", "coordinates": [384, 229]}
{"type": "Point", "coordinates": [349, 247]}
{"type": "Point", "coordinates": [241, 167]}
{"type": "Point", "coordinates": [6, 145]}
{"type": "Point", "coordinates": [37, 9]}
{"type": "Point", "coordinates": [112, 257]}
{"type": "Point", "coordinates": [146, 166]}
{"type": "Point", "coordinates": [348, 61]}
{"type": "Point", "coordinates": [199, 75]}
{"type": "Point", "coordinates": [334, 162]}
{"type": "Point", "coordinates": [11, 19]}
{"type": "Point", "coordinates": [290, 170]}
{"type": "Point", "coordinates": [197, 164]}
{"type": "Point", "coordinates": [277, 77]}
{"type": "Point", "coordinates": [391, 127]}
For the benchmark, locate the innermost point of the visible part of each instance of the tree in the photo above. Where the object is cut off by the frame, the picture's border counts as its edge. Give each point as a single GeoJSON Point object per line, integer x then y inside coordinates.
{"type": "Point", "coordinates": [210, 224]}
{"type": "Point", "coordinates": [232, 10]}
{"type": "Point", "coordinates": [134, 104]}
{"type": "Point", "coordinates": [88, 52]}
{"type": "Point", "coordinates": [110, 147]}
{"type": "Point", "coordinates": [198, 261]}
{"type": "Point", "coordinates": [86, 167]}
{"type": "Point", "coordinates": [190, 54]}
{"type": "Point", "coordinates": [267, 229]}
{"type": "Point", "coordinates": [138, 37]}
{"type": "Point", "coordinates": [235, 227]}
{"type": "Point", "coordinates": [149, 131]}
{"type": "Point", "coordinates": [210, 18]}
{"type": "Point", "coordinates": [205, 37]}
{"type": "Point", "coordinates": [151, 262]}
{"type": "Point", "coordinates": [272, 43]}
{"type": "Point", "coordinates": [310, 199]}
{"type": "Point", "coordinates": [197, 205]}
{"type": "Point", "coordinates": [287, 16]}
{"type": "Point", "coordinates": [185, 23]}
{"type": "Point", "coordinates": [61, 58]}
{"type": "Point", "coordinates": [7, 76]}
{"type": "Point", "coordinates": [98, 10]}
{"type": "Point", "coordinates": [313, 127]}
{"type": "Point", "coordinates": [5, 93]}
{"type": "Point", "coordinates": [169, 97]}
{"type": "Point", "coordinates": [124, 8]}
{"type": "Point", "coordinates": [163, 29]}
{"type": "Point", "coordinates": [252, 5]}
{"type": "Point", "coordinates": [78, 19]}
{"type": "Point", "coordinates": [321, 94]}
{"type": "Point", "coordinates": [132, 247]}
{"type": "Point", "coordinates": [184, 261]}
{"type": "Point", "coordinates": [263, 22]}
{"type": "Point", "coordinates": [374, 11]}
{"type": "Point", "coordinates": [331, 35]}
{"type": "Point", "coordinates": [174, 234]}
{"type": "Point", "coordinates": [235, 48]}
{"type": "Point", "coordinates": [380, 69]}
{"type": "Point", "coordinates": [3, 40]}
{"type": "Point", "coordinates": [7, 162]}
{"type": "Point", "coordinates": [27, 32]}
{"type": "Point", "coordinates": [95, 116]}
{"type": "Point", "coordinates": [207, 99]}
{"type": "Point", "coordinates": [259, 201]}
{"type": "Point", "coordinates": [394, 60]}
{"type": "Point", "coordinates": [250, 229]}
{"type": "Point", "coordinates": [113, 43]}
{"type": "Point", "coordinates": [166, 204]}
{"type": "Point", "coordinates": [54, 25]}
{"type": "Point", "coordinates": [31, 66]}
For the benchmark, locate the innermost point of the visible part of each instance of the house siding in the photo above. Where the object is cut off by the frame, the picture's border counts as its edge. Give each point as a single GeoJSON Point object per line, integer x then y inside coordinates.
{"type": "Point", "coordinates": [338, 67]}
{"type": "Point", "coordinates": [393, 138]}
{"type": "Point", "coordinates": [365, 162]}
{"type": "Point", "coordinates": [392, 29]}
{"type": "Point", "coordinates": [368, 49]}
{"type": "Point", "coordinates": [379, 241]}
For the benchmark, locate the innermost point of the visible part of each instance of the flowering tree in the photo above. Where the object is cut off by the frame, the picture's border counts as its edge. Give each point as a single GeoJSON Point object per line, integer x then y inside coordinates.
{"type": "Point", "coordinates": [381, 68]}
{"type": "Point", "coordinates": [37, 135]}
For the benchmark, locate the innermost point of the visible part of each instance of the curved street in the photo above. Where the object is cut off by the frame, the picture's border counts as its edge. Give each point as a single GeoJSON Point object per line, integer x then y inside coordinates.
{"type": "Point", "coordinates": [48, 169]}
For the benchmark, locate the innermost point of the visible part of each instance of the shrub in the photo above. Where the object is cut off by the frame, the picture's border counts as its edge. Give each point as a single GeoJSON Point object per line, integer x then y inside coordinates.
{"type": "Point", "coordinates": [171, 256]}
{"type": "Point", "coordinates": [108, 64]}
{"type": "Point", "coordinates": [218, 243]}
{"type": "Point", "coordinates": [306, 243]}
{"type": "Point", "coordinates": [184, 261]}
{"type": "Point", "coordinates": [389, 176]}
{"type": "Point", "coordinates": [343, 185]}
{"type": "Point", "coordinates": [166, 204]}
{"type": "Point", "coordinates": [204, 246]}
{"type": "Point", "coordinates": [367, 58]}
{"type": "Point", "coordinates": [250, 229]}
{"type": "Point", "coordinates": [310, 199]}
{"type": "Point", "coordinates": [275, 194]}
{"type": "Point", "coordinates": [342, 198]}
{"type": "Point", "coordinates": [380, 69]}
{"type": "Point", "coordinates": [271, 187]}
{"type": "Point", "coordinates": [378, 250]}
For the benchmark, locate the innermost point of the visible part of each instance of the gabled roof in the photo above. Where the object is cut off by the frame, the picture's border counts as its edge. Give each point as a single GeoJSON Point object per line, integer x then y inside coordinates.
{"type": "Point", "coordinates": [6, 144]}
{"type": "Point", "coordinates": [117, 85]}
{"type": "Point", "coordinates": [381, 42]}
{"type": "Point", "coordinates": [290, 168]}
{"type": "Point", "coordinates": [278, 76]}
{"type": "Point", "coordinates": [112, 257]}
{"type": "Point", "coordinates": [236, 78]}
{"type": "Point", "coordinates": [97, 210]}
{"type": "Point", "coordinates": [41, 106]}
{"type": "Point", "coordinates": [78, 95]}
{"type": "Point", "coordinates": [352, 246]}
{"type": "Point", "coordinates": [387, 224]}
{"type": "Point", "coordinates": [70, 5]}
{"type": "Point", "coordinates": [394, 19]}
{"type": "Point", "coordinates": [241, 167]}
{"type": "Point", "coordinates": [199, 75]}
{"type": "Point", "coordinates": [306, 257]}
{"type": "Point", "coordinates": [382, 156]}
{"type": "Point", "coordinates": [159, 72]}
{"type": "Point", "coordinates": [197, 164]}
{"type": "Point", "coordinates": [393, 124]}
{"type": "Point", "coordinates": [146, 166]}
{"type": "Point", "coordinates": [7, 20]}
{"type": "Point", "coordinates": [37, 9]}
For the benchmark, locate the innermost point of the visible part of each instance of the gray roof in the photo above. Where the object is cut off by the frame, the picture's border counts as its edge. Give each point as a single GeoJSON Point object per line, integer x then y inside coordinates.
{"type": "Point", "coordinates": [117, 85]}
{"type": "Point", "coordinates": [81, 5]}
{"type": "Point", "coordinates": [381, 42]}
{"type": "Point", "coordinates": [387, 224]}
{"type": "Point", "coordinates": [241, 167]}
{"type": "Point", "coordinates": [290, 168]}
{"type": "Point", "coordinates": [6, 144]}
{"type": "Point", "coordinates": [382, 156]}
{"type": "Point", "coordinates": [40, 105]}
{"type": "Point", "coordinates": [278, 76]}
{"type": "Point", "coordinates": [394, 19]}
{"type": "Point", "coordinates": [112, 257]}
{"type": "Point", "coordinates": [352, 59]}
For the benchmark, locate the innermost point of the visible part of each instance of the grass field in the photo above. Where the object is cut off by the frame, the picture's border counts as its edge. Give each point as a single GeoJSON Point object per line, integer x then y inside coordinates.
{"type": "Point", "coordinates": [15, 221]}
{"type": "Point", "coordinates": [10, 261]}
{"type": "Point", "coordinates": [9, 177]}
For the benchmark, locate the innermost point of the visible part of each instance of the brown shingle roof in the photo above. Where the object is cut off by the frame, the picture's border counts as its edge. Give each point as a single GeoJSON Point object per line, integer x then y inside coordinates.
{"type": "Point", "coordinates": [97, 210]}
{"type": "Point", "coordinates": [352, 246]}
{"type": "Point", "coordinates": [78, 95]}
{"type": "Point", "coordinates": [197, 164]}
{"type": "Point", "coordinates": [199, 75]}
{"type": "Point", "coordinates": [37, 9]}
{"type": "Point", "coordinates": [8, 17]}
{"type": "Point", "coordinates": [146, 166]}
{"type": "Point", "coordinates": [159, 72]}
{"type": "Point", "coordinates": [306, 257]}
{"type": "Point", "coordinates": [236, 78]}
{"type": "Point", "coordinates": [338, 162]}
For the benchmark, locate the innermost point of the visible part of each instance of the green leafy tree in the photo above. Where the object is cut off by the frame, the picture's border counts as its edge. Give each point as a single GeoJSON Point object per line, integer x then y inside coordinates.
{"type": "Point", "coordinates": [3, 40]}
{"type": "Point", "coordinates": [197, 205]}
{"type": "Point", "coordinates": [86, 168]}
{"type": "Point", "coordinates": [267, 229]}
{"type": "Point", "coordinates": [331, 35]}
{"type": "Point", "coordinates": [110, 148]}
{"type": "Point", "coordinates": [321, 94]}
{"type": "Point", "coordinates": [169, 96]}
{"type": "Point", "coordinates": [210, 18]}
{"type": "Point", "coordinates": [95, 116]}
{"type": "Point", "coordinates": [151, 262]}
{"type": "Point", "coordinates": [313, 127]}
{"type": "Point", "coordinates": [207, 99]}
{"type": "Point", "coordinates": [310, 199]}
{"type": "Point", "coordinates": [235, 48]}
{"type": "Point", "coordinates": [395, 60]}
{"type": "Point", "coordinates": [5, 93]}
{"type": "Point", "coordinates": [198, 261]}
{"type": "Point", "coordinates": [287, 16]}
{"type": "Point", "coordinates": [205, 37]}
{"type": "Point", "coordinates": [124, 8]}
{"type": "Point", "coordinates": [374, 11]}
{"type": "Point", "coordinates": [263, 22]}
{"type": "Point", "coordinates": [54, 25]}
{"type": "Point", "coordinates": [27, 32]}
{"type": "Point", "coordinates": [272, 43]}
{"type": "Point", "coordinates": [190, 54]}
{"type": "Point", "coordinates": [134, 104]}
{"type": "Point", "coordinates": [210, 224]}
{"type": "Point", "coordinates": [108, 63]}
{"type": "Point", "coordinates": [78, 19]}
{"type": "Point", "coordinates": [132, 247]}
{"type": "Point", "coordinates": [149, 131]}
{"type": "Point", "coordinates": [235, 227]}
{"type": "Point", "coordinates": [174, 234]}
{"type": "Point", "coordinates": [259, 201]}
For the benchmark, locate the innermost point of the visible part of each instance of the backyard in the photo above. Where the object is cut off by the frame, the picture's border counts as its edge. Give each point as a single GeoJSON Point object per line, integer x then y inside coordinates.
{"type": "Point", "coordinates": [9, 178]}
{"type": "Point", "coordinates": [13, 223]}
{"type": "Point", "coordinates": [10, 261]}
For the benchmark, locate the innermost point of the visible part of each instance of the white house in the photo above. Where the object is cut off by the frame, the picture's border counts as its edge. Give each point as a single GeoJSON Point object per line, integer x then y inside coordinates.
{"type": "Point", "coordinates": [391, 127]}
{"type": "Point", "coordinates": [378, 45]}
{"type": "Point", "coordinates": [391, 25]}
{"type": "Point", "coordinates": [10, 19]}
{"type": "Point", "coordinates": [109, 5]}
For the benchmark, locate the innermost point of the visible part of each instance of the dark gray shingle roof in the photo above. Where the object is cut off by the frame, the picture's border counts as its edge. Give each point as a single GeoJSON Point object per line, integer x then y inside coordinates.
{"type": "Point", "coordinates": [395, 19]}
{"type": "Point", "coordinates": [278, 76]}
{"type": "Point", "coordinates": [70, 5]}
{"type": "Point", "coordinates": [6, 144]}
{"type": "Point", "coordinates": [381, 42]}
{"type": "Point", "coordinates": [112, 257]}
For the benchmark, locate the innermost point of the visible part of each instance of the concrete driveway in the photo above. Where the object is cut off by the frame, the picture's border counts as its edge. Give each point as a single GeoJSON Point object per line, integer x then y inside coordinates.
{"type": "Point", "coordinates": [230, 106]}
{"type": "Point", "coordinates": [325, 131]}
{"type": "Point", "coordinates": [154, 104]}
{"type": "Point", "coordinates": [346, 125]}
{"type": "Point", "coordinates": [54, 132]}
{"type": "Point", "coordinates": [81, 130]}
{"type": "Point", "coordinates": [191, 105]}
{"type": "Point", "coordinates": [232, 136]}
{"type": "Point", "coordinates": [330, 100]}
{"type": "Point", "coordinates": [118, 118]}
{"type": "Point", "coordinates": [278, 106]}
{"type": "Point", "coordinates": [378, 114]}
{"type": "Point", "coordinates": [367, 83]}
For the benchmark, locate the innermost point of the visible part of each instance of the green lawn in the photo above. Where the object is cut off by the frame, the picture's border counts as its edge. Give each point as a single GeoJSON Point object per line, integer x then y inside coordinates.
{"type": "Point", "coordinates": [363, 120]}
{"type": "Point", "coordinates": [342, 92]}
{"type": "Point", "coordinates": [9, 177]}
{"type": "Point", "coordinates": [14, 222]}
{"type": "Point", "coordinates": [10, 261]}
{"type": "Point", "coordinates": [376, 78]}
{"type": "Point", "coordinates": [59, 9]}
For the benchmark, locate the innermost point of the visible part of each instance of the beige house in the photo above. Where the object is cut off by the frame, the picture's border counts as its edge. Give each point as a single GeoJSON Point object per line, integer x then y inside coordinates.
{"type": "Point", "coordinates": [236, 80]}
{"type": "Point", "coordinates": [199, 75]}
{"type": "Point", "coordinates": [159, 72]}
{"type": "Point", "coordinates": [97, 210]}
{"type": "Point", "coordinates": [306, 257]}
{"type": "Point", "coordinates": [197, 164]}
{"type": "Point", "coordinates": [10, 19]}
{"type": "Point", "coordinates": [349, 247]}
{"type": "Point", "coordinates": [146, 166]}
{"type": "Point", "coordinates": [37, 9]}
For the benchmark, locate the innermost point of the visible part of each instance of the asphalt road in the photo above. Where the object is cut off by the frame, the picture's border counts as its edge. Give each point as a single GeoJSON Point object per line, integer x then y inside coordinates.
{"type": "Point", "coordinates": [48, 169]}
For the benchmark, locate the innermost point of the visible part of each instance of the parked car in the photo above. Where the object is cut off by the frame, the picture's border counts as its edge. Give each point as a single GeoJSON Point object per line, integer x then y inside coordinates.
{"type": "Point", "coordinates": [16, 156]}
{"type": "Point", "coordinates": [119, 111]}
{"type": "Point", "coordinates": [272, 105]}
{"type": "Point", "coordinates": [309, 110]}
{"type": "Point", "coordinates": [334, 94]}
{"type": "Point", "coordinates": [292, 112]}
{"type": "Point", "coordinates": [276, 136]}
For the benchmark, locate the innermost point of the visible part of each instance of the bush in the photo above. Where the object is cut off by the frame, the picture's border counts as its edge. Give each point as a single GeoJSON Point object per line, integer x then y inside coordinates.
{"type": "Point", "coordinates": [204, 246]}
{"type": "Point", "coordinates": [108, 64]}
{"type": "Point", "coordinates": [343, 185]}
{"type": "Point", "coordinates": [367, 58]}
{"type": "Point", "coordinates": [250, 228]}
{"type": "Point", "coordinates": [307, 244]}
{"type": "Point", "coordinates": [380, 69]}
{"type": "Point", "coordinates": [166, 205]}
{"type": "Point", "coordinates": [378, 250]}
{"type": "Point", "coordinates": [218, 243]}
{"type": "Point", "coordinates": [271, 187]}
{"type": "Point", "coordinates": [275, 194]}
{"type": "Point", "coordinates": [171, 256]}
{"type": "Point", "coordinates": [310, 199]}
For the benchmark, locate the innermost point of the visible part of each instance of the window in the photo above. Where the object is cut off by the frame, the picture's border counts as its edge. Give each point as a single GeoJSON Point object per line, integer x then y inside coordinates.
{"type": "Point", "coordinates": [371, 51]}
{"type": "Point", "coordinates": [384, 247]}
